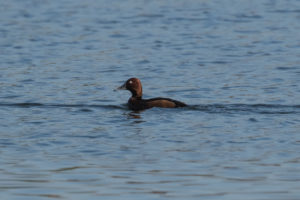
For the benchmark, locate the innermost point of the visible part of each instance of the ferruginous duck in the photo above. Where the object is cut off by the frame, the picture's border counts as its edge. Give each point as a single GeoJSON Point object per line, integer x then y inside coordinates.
{"type": "Point", "coordinates": [136, 102]}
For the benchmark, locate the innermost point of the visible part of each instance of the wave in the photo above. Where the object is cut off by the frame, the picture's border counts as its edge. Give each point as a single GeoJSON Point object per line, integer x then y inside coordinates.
{"type": "Point", "coordinates": [209, 108]}
{"type": "Point", "coordinates": [248, 108]}
{"type": "Point", "coordinates": [29, 105]}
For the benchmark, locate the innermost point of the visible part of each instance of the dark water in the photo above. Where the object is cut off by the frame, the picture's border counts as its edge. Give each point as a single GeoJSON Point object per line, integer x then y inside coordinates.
{"type": "Point", "coordinates": [65, 134]}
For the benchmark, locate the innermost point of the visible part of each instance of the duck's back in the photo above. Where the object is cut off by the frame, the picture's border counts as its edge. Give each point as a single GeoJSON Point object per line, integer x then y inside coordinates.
{"type": "Point", "coordinates": [142, 104]}
{"type": "Point", "coordinates": [164, 102]}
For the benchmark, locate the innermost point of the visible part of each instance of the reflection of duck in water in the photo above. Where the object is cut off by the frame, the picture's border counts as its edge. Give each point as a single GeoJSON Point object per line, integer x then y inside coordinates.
{"type": "Point", "coordinates": [136, 102]}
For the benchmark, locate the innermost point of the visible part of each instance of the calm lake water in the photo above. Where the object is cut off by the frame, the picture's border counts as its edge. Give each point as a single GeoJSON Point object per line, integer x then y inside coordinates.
{"type": "Point", "coordinates": [65, 134]}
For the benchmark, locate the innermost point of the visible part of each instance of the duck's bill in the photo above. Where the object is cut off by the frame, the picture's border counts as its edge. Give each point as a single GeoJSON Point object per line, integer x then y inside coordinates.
{"type": "Point", "coordinates": [122, 87]}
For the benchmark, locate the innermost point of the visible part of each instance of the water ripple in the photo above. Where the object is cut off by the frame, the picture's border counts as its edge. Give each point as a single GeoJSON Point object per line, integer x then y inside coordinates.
{"type": "Point", "coordinates": [209, 108]}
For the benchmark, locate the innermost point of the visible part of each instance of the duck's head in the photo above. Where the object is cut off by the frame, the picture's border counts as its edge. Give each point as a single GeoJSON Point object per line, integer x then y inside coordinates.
{"type": "Point", "coordinates": [134, 85]}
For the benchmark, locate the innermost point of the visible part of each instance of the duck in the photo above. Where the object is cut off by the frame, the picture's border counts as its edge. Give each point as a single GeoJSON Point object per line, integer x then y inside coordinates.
{"type": "Point", "coordinates": [137, 103]}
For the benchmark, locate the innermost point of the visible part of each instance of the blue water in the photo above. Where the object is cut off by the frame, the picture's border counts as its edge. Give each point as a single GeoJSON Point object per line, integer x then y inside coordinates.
{"type": "Point", "coordinates": [65, 134]}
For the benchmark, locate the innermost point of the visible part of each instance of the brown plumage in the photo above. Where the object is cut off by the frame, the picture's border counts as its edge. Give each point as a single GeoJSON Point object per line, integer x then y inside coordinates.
{"type": "Point", "coordinates": [136, 102]}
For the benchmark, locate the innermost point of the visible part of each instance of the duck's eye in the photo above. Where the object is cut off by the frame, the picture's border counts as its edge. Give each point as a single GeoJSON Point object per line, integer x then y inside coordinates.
{"type": "Point", "coordinates": [130, 82]}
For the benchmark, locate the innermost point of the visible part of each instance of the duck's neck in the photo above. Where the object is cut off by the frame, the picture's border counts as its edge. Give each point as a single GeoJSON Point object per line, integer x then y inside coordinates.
{"type": "Point", "coordinates": [136, 94]}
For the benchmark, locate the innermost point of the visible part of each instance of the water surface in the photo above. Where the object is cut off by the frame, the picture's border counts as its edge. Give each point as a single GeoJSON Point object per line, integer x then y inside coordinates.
{"type": "Point", "coordinates": [65, 134]}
